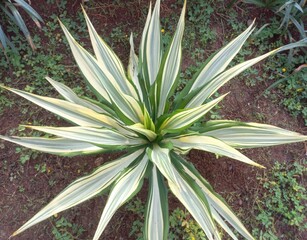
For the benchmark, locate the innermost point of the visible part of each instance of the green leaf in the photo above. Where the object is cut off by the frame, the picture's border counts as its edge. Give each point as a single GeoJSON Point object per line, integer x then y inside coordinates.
{"type": "Point", "coordinates": [133, 69]}
{"type": "Point", "coordinates": [186, 117]}
{"type": "Point", "coordinates": [142, 67]}
{"type": "Point", "coordinates": [250, 135]}
{"type": "Point", "coordinates": [89, 67]}
{"type": "Point", "coordinates": [183, 190]}
{"type": "Point", "coordinates": [216, 203]}
{"type": "Point", "coordinates": [103, 82]}
{"type": "Point", "coordinates": [192, 197]}
{"type": "Point", "coordinates": [160, 157]}
{"type": "Point", "coordinates": [148, 123]}
{"type": "Point", "coordinates": [109, 60]}
{"type": "Point", "coordinates": [221, 60]}
{"type": "Point", "coordinates": [211, 87]}
{"type": "Point", "coordinates": [140, 128]}
{"type": "Point", "coordinates": [3, 38]}
{"type": "Point", "coordinates": [153, 45]}
{"type": "Point", "coordinates": [72, 112]}
{"type": "Point", "coordinates": [31, 12]}
{"type": "Point", "coordinates": [70, 96]}
{"type": "Point", "coordinates": [212, 145]}
{"type": "Point", "coordinates": [119, 121]}
{"type": "Point", "coordinates": [20, 23]}
{"type": "Point", "coordinates": [83, 189]}
{"type": "Point", "coordinates": [58, 146]}
{"type": "Point", "coordinates": [29, 9]}
{"type": "Point", "coordinates": [300, 27]}
{"type": "Point", "coordinates": [156, 218]}
{"type": "Point", "coordinates": [170, 66]}
{"type": "Point", "coordinates": [125, 187]}
{"type": "Point", "coordinates": [223, 223]}
{"type": "Point", "coordinates": [105, 138]}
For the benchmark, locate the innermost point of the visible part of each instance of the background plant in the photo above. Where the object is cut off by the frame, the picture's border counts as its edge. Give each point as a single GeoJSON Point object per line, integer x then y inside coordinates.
{"type": "Point", "coordinates": [22, 65]}
{"type": "Point", "coordinates": [284, 76]}
{"type": "Point", "coordinates": [65, 230]}
{"type": "Point", "coordinates": [292, 83]}
{"type": "Point", "coordinates": [282, 202]}
{"type": "Point", "coordinates": [291, 12]}
{"type": "Point", "coordinates": [11, 15]}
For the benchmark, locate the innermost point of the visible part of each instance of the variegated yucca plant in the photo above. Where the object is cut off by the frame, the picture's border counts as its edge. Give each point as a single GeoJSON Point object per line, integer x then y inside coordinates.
{"type": "Point", "coordinates": [133, 113]}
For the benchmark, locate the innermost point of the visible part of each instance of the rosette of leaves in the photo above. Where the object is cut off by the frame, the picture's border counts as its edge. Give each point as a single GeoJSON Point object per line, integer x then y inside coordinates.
{"type": "Point", "coordinates": [11, 13]}
{"type": "Point", "coordinates": [133, 113]}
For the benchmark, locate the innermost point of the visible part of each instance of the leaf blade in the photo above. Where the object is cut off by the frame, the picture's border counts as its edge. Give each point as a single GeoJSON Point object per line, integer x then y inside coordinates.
{"type": "Point", "coordinates": [156, 220]}
{"type": "Point", "coordinates": [215, 201]}
{"type": "Point", "coordinates": [102, 81]}
{"type": "Point", "coordinates": [106, 138]}
{"type": "Point", "coordinates": [70, 96]}
{"type": "Point", "coordinates": [109, 60]}
{"type": "Point", "coordinates": [75, 113]}
{"type": "Point", "coordinates": [82, 189]}
{"type": "Point", "coordinates": [211, 87]}
{"type": "Point", "coordinates": [188, 194]}
{"type": "Point", "coordinates": [186, 117]}
{"type": "Point", "coordinates": [140, 128]}
{"type": "Point", "coordinates": [153, 44]}
{"type": "Point", "coordinates": [250, 135]}
{"type": "Point", "coordinates": [218, 63]}
{"type": "Point", "coordinates": [133, 69]}
{"type": "Point", "coordinates": [171, 65]}
{"type": "Point", "coordinates": [212, 145]}
{"type": "Point", "coordinates": [160, 157]}
{"type": "Point", "coordinates": [58, 146]}
{"type": "Point", "coordinates": [126, 186]}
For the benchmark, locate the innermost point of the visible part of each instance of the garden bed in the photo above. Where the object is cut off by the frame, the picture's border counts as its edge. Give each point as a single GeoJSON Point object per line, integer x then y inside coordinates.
{"type": "Point", "coordinates": [26, 187]}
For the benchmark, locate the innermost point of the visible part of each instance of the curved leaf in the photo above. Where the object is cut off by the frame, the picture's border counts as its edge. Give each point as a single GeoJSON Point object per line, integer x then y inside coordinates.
{"type": "Point", "coordinates": [251, 135]}
{"type": "Point", "coordinates": [170, 66]}
{"type": "Point", "coordinates": [70, 96]}
{"type": "Point", "coordinates": [101, 137]}
{"type": "Point", "coordinates": [222, 59]}
{"type": "Point", "coordinates": [102, 81]}
{"type": "Point", "coordinates": [20, 23]}
{"type": "Point", "coordinates": [161, 159]}
{"type": "Point", "coordinates": [58, 146]}
{"type": "Point", "coordinates": [126, 186]}
{"type": "Point", "coordinates": [73, 112]}
{"type": "Point", "coordinates": [83, 189]}
{"type": "Point", "coordinates": [191, 196]}
{"type": "Point", "coordinates": [139, 128]}
{"type": "Point", "coordinates": [184, 118]}
{"type": "Point", "coordinates": [215, 201]}
{"type": "Point", "coordinates": [109, 60]}
{"type": "Point", "coordinates": [156, 220]}
{"type": "Point", "coordinates": [142, 67]}
{"type": "Point", "coordinates": [153, 44]}
{"type": "Point", "coordinates": [32, 13]}
{"type": "Point", "coordinates": [212, 145]}
{"type": "Point", "coordinates": [211, 87]}
{"type": "Point", "coordinates": [133, 69]}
